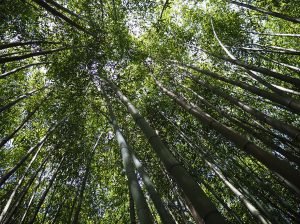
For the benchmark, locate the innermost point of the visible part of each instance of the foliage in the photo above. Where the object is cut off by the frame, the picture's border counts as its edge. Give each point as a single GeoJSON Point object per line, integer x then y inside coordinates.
{"type": "Point", "coordinates": [64, 95]}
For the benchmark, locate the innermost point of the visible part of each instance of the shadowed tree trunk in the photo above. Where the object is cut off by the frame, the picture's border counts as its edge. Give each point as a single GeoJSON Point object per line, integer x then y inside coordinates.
{"type": "Point", "coordinates": [57, 212]}
{"type": "Point", "coordinates": [215, 140]}
{"type": "Point", "coordinates": [211, 190]}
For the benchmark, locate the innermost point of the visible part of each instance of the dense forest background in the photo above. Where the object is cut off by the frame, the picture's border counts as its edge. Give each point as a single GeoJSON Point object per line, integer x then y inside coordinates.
{"type": "Point", "coordinates": [152, 111]}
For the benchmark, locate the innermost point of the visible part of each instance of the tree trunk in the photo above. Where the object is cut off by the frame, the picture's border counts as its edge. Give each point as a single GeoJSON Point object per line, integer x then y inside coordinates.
{"type": "Point", "coordinates": [49, 205]}
{"type": "Point", "coordinates": [163, 213]}
{"type": "Point", "coordinates": [143, 211]}
{"type": "Point", "coordinates": [251, 73]}
{"type": "Point", "coordinates": [273, 163]}
{"type": "Point", "coordinates": [3, 75]}
{"type": "Point", "coordinates": [25, 56]}
{"type": "Point", "coordinates": [262, 70]}
{"type": "Point", "coordinates": [18, 44]}
{"type": "Point", "coordinates": [192, 210]}
{"type": "Point", "coordinates": [84, 181]}
{"type": "Point", "coordinates": [10, 136]}
{"type": "Point", "coordinates": [275, 14]}
{"type": "Point", "coordinates": [29, 204]}
{"type": "Point", "coordinates": [259, 136]}
{"type": "Point", "coordinates": [23, 193]}
{"type": "Point", "coordinates": [33, 194]}
{"type": "Point", "coordinates": [287, 129]}
{"type": "Point", "coordinates": [9, 201]}
{"type": "Point", "coordinates": [42, 198]}
{"type": "Point", "coordinates": [291, 104]}
{"type": "Point", "coordinates": [131, 209]}
{"type": "Point", "coordinates": [74, 201]}
{"type": "Point", "coordinates": [60, 15]}
{"type": "Point", "coordinates": [229, 210]}
{"type": "Point", "coordinates": [26, 95]}
{"type": "Point", "coordinates": [246, 171]}
{"type": "Point", "coordinates": [55, 4]}
{"type": "Point", "coordinates": [279, 137]}
{"type": "Point", "coordinates": [57, 213]}
{"type": "Point", "coordinates": [275, 50]}
{"type": "Point", "coordinates": [25, 157]}
{"type": "Point", "coordinates": [291, 67]}
{"type": "Point", "coordinates": [191, 189]}
{"type": "Point", "coordinates": [254, 211]}
{"type": "Point", "coordinates": [276, 34]}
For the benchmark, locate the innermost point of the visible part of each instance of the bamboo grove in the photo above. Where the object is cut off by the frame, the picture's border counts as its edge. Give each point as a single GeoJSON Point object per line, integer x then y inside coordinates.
{"type": "Point", "coordinates": [149, 111]}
